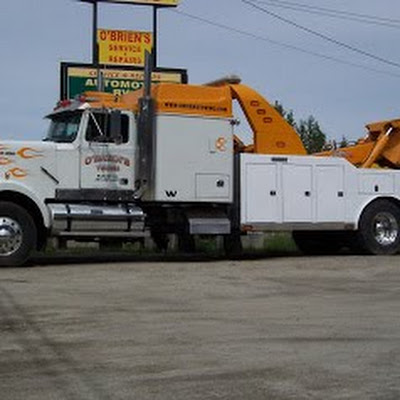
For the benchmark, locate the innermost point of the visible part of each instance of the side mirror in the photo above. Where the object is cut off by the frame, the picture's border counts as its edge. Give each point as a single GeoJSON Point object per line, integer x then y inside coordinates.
{"type": "Point", "coordinates": [115, 126]}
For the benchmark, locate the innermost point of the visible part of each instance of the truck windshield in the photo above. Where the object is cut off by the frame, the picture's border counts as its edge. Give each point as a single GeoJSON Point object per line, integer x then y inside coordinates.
{"type": "Point", "coordinates": [64, 127]}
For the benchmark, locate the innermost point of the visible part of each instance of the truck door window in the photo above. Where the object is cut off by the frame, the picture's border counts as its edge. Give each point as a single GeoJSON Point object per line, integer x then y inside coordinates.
{"type": "Point", "coordinates": [99, 128]}
{"type": "Point", "coordinates": [64, 127]}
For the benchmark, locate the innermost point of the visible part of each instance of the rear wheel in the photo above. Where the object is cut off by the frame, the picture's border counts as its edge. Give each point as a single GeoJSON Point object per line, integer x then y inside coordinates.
{"type": "Point", "coordinates": [379, 228]}
{"type": "Point", "coordinates": [18, 234]}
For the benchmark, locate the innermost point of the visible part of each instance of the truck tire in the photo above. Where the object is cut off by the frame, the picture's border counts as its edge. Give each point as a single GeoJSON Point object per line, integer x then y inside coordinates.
{"type": "Point", "coordinates": [379, 228]}
{"type": "Point", "coordinates": [18, 234]}
{"type": "Point", "coordinates": [318, 242]}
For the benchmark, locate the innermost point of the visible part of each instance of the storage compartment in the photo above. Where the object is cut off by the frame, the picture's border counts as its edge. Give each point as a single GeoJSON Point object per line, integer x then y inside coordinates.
{"type": "Point", "coordinates": [373, 183]}
{"type": "Point", "coordinates": [212, 186]}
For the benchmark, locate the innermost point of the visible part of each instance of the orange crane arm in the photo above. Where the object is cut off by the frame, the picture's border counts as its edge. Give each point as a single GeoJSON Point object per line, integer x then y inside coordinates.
{"type": "Point", "coordinates": [387, 150]}
{"type": "Point", "coordinates": [356, 154]}
{"type": "Point", "coordinates": [381, 147]}
{"type": "Point", "coordinates": [271, 133]}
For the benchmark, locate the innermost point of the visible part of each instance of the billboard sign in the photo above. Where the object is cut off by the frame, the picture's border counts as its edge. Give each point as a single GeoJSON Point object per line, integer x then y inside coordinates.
{"type": "Point", "coordinates": [79, 78]}
{"type": "Point", "coordinates": [118, 47]}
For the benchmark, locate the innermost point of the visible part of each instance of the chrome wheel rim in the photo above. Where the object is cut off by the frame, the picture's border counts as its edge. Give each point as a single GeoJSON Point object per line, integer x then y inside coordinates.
{"type": "Point", "coordinates": [386, 229]}
{"type": "Point", "coordinates": [10, 236]}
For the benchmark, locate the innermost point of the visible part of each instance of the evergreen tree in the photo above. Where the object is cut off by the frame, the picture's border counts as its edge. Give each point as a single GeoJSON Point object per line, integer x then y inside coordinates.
{"type": "Point", "coordinates": [344, 142]}
{"type": "Point", "coordinates": [311, 135]}
{"type": "Point", "coordinates": [313, 138]}
{"type": "Point", "coordinates": [288, 115]}
{"type": "Point", "coordinates": [279, 107]}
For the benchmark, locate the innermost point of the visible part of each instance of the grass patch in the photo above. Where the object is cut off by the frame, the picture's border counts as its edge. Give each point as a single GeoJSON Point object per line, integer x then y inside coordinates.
{"type": "Point", "coordinates": [280, 242]}
{"type": "Point", "coordinates": [257, 243]}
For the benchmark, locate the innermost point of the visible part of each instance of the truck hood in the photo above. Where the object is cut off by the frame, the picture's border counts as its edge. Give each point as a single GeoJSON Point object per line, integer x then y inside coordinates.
{"type": "Point", "coordinates": [20, 160]}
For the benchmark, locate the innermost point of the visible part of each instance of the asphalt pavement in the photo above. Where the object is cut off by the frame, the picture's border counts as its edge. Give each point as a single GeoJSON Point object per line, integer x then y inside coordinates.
{"type": "Point", "coordinates": [272, 328]}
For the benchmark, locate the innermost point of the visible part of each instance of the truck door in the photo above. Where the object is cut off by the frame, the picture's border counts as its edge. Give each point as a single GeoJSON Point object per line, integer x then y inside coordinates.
{"type": "Point", "coordinates": [107, 159]}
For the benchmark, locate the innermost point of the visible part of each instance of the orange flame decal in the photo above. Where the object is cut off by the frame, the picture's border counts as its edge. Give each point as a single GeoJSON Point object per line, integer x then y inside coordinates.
{"type": "Point", "coordinates": [29, 152]}
{"type": "Point", "coordinates": [5, 161]}
{"type": "Point", "coordinates": [16, 173]}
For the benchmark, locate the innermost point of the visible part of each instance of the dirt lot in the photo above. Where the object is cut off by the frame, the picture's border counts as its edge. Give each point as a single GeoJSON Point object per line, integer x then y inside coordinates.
{"type": "Point", "coordinates": [273, 328]}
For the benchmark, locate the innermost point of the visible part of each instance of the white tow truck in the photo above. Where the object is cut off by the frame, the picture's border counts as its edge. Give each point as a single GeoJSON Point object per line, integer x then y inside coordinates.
{"type": "Point", "coordinates": [119, 168]}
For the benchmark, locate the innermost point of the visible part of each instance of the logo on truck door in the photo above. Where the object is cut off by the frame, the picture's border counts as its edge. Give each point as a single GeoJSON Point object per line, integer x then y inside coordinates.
{"type": "Point", "coordinates": [108, 158]}
{"type": "Point", "coordinates": [107, 166]}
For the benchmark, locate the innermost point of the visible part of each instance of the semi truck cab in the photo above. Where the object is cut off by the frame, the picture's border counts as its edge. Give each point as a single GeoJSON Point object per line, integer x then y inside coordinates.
{"type": "Point", "coordinates": [95, 148]}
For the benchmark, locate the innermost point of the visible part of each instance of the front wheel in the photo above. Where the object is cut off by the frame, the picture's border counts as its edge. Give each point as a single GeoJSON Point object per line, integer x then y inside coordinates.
{"type": "Point", "coordinates": [18, 234]}
{"type": "Point", "coordinates": [379, 228]}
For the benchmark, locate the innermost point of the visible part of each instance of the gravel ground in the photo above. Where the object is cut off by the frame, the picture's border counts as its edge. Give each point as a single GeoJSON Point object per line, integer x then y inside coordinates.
{"type": "Point", "coordinates": [273, 328]}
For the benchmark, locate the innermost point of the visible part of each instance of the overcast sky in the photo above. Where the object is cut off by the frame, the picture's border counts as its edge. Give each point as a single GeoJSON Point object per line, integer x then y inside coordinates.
{"type": "Point", "coordinates": [36, 35]}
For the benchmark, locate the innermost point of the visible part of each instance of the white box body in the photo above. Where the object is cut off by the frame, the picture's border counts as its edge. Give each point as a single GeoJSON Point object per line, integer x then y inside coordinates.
{"type": "Point", "coordinates": [306, 192]}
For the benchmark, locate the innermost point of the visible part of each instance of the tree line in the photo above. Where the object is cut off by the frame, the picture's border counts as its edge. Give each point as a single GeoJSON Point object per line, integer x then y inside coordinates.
{"type": "Point", "coordinates": [310, 132]}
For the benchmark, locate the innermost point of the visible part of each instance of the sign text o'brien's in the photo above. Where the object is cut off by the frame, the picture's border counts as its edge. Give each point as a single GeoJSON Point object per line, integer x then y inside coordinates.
{"type": "Point", "coordinates": [118, 47]}
{"type": "Point", "coordinates": [108, 158]}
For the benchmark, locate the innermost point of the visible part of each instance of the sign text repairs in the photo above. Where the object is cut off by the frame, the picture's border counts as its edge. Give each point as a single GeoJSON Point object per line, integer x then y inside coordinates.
{"type": "Point", "coordinates": [118, 47]}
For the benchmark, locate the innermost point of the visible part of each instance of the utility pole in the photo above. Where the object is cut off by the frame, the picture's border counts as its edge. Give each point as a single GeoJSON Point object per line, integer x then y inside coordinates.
{"type": "Point", "coordinates": [155, 35]}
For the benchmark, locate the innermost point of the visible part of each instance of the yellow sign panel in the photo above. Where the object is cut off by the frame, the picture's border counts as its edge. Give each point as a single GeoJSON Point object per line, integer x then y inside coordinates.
{"type": "Point", "coordinates": [123, 47]}
{"type": "Point", "coordinates": [172, 3]}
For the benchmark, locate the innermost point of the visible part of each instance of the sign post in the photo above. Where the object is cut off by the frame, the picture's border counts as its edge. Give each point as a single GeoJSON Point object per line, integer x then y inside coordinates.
{"type": "Point", "coordinates": [95, 51]}
{"type": "Point", "coordinates": [156, 4]}
{"type": "Point", "coordinates": [155, 35]}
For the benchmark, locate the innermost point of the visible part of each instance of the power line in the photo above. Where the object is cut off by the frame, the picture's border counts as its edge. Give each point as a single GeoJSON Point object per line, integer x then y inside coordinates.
{"type": "Point", "coordinates": [343, 15]}
{"type": "Point", "coordinates": [322, 36]}
{"type": "Point", "coordinates": [284, 45]}
{"type": "Point", "coordinates": [341, 12]}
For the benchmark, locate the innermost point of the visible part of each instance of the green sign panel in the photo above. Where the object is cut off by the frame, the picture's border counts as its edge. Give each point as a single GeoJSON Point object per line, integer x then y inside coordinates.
{"type": "Point", "coordinates": [79, 78]}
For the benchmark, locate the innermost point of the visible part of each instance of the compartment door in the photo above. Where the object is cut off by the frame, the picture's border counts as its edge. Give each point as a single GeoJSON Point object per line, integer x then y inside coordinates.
{"type": "Point", "coordinates": [330, 193]}
{"type": "Point", "coordinates": [262, 196]}
{"type": "Point", "coordinates": [297, 193]}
